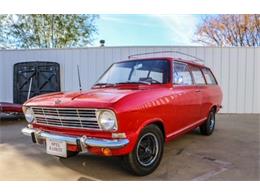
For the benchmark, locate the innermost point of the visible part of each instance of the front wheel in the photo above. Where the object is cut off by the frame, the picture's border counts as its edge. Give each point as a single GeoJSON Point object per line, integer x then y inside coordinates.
{"type": "Point", "coordinates": [147, 154]}
{"type": "Point", "coordinates": [208, 126]}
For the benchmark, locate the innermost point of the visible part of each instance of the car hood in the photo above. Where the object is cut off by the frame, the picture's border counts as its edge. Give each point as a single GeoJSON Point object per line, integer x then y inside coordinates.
{"type": "Point", "coordinates": [92, 98]}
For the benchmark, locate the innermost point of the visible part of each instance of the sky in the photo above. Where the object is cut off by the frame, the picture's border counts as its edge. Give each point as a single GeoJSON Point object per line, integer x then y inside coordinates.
{"type": "Point", "coordinates": [136, 30]}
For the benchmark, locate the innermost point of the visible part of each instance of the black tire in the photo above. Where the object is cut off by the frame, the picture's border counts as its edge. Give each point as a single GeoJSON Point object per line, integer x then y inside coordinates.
{"type": "Point", "coordinates": [148, 152]}
{"type": "Point", "coordinates": [208, 126]}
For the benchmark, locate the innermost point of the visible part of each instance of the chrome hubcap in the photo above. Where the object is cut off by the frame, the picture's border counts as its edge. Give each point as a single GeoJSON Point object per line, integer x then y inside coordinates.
{"type": "Point", "coordinates": [147, 149]}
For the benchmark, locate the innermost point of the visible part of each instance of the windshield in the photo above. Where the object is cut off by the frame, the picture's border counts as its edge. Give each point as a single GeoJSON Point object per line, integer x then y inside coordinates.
{"type": "Point", "coordinates": [139, 71]}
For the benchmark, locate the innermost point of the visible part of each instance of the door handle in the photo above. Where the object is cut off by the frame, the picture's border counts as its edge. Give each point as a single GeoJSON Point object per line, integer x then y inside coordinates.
{"type": "Point", "coordinates": [197, 90]}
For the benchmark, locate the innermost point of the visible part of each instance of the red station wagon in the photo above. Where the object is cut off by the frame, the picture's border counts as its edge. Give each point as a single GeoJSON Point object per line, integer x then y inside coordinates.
{"type": "Point", "coordinates": [131, 111]}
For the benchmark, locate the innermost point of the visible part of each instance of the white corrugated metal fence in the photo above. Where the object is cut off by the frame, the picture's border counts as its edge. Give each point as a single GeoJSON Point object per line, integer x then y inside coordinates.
{"type": "Point", "coordinates": [237, 69]}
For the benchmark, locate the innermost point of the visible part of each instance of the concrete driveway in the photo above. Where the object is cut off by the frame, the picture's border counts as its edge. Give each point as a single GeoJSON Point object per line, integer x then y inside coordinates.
{"type": "Point", "coordinates": [231, 153]}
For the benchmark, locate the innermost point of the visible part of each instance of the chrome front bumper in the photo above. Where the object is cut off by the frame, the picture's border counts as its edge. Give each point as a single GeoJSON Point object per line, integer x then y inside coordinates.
{"type": "Point", "coordinates": [82, 141]}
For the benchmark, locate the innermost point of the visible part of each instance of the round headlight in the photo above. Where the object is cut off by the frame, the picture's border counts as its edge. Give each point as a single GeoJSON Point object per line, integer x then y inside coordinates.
{"type": "Point", "coordinates": [29, 115]}
{"type": "Point", "coordinates": [107, 120]}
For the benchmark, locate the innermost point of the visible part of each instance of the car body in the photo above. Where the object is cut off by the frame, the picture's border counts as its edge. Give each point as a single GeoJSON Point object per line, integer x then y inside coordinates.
{"type": "Point", "coordinates": [7, 107]}
{"type": "Point", "coordinates": [181, 99]}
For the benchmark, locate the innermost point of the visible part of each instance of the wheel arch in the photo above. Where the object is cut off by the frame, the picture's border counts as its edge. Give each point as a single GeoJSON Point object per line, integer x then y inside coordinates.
{"type": "Point", "coordinates": [158, 122]}
{"type": "Point", "coordinates": [214, 107]}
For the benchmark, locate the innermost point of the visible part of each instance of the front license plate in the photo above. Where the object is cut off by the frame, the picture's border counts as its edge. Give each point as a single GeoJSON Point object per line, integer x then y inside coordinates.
{"type": "Point", "coordinates": [57, 148]}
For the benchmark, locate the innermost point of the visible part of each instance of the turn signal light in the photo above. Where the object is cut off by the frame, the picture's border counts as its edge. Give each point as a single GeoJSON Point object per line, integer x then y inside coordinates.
{"type": "Point", "coordinates": [118, 135]}
{"type": "Point", "coordinates": [106, 151]}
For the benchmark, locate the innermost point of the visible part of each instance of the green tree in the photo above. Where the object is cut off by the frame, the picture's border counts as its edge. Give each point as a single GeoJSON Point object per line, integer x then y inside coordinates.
{"type": "Point", "coordinates": [46, 31]}
{"type": "Point", "coordinates": [230, 30]}
{"type": "Point", "coordinates": [2, 31]}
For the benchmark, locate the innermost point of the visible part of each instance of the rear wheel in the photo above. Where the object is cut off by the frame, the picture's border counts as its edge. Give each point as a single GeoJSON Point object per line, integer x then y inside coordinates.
{"type": "Point", "coordinates": [147, 154]}
{"type": "Point", "coordinates": [208, 126]}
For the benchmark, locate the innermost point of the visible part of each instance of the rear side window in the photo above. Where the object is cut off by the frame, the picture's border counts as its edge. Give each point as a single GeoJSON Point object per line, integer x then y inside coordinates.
{"type": "Point", "coordinates": [198, 76]}
{"type": "Point", "coordinates": [209, 76]}
{"type": "Point", "coordinates": [181, 74]}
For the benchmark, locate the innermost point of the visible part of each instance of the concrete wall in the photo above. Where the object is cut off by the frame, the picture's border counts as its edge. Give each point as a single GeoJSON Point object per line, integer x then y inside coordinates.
{"type": "Point", "coordinates": [237, 69]}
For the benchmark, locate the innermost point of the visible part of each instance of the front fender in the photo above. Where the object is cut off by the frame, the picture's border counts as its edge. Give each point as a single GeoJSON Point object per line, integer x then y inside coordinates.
{"type": "Point", "coordinates": [134, 135]}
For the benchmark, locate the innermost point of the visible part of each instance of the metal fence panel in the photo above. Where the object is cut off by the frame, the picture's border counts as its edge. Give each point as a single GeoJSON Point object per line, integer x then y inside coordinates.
{"type": "Point", "coordinates": [236, 69]}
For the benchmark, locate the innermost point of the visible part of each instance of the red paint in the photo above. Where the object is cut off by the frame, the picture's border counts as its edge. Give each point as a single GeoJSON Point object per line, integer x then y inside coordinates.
{"type": "Point", "coordinates": [10, 107]}
{"type": "Point", "coordinates": [177, 108]}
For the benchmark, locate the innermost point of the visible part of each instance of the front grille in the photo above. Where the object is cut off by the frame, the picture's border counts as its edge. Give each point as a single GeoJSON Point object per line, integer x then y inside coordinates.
{"type": "Point", "coordinates": [66, 117]}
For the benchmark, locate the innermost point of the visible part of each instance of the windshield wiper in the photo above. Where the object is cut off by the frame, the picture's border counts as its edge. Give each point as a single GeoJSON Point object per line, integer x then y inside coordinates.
{"type": "Point", "coordinates": [104, 84]}
{"type": "Point", "coordinates": [126, 82]}
{"type": "Point", "coordinates": [134, 82]}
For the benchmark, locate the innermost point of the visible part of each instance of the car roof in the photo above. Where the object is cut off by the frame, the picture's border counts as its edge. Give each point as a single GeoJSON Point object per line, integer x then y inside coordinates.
{"type": "Point", "coordinates": [192, 63]}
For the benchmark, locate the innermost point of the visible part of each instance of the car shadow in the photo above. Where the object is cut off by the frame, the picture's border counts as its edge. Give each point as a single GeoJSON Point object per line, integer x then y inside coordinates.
{"type": "Point", "coordinates": [91, 167]}
{"type": "Point", "coordinates": [112, 168]}
{"type": "Point", "coordinates": [98, 167]}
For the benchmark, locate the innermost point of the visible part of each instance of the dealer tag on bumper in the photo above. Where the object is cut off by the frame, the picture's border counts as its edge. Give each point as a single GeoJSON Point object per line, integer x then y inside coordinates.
{"type": "Point", "coordinates": [56, 148]}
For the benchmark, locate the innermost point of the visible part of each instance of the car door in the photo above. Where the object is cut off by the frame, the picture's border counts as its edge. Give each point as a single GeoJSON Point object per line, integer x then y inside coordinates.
{"type": "Point", "coordinates": [200, 90]}
{"type": "Point", "coordinates": [210, 93]}
{"type": "Point", "coordinates": [185, 98]}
